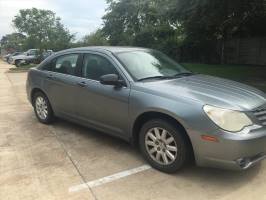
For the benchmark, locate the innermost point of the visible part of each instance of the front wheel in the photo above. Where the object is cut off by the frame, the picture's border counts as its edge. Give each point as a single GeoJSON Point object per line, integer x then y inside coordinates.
{"type": "Point", "coordinates": [42, 108]}
{"type": "Point", "coordinates": [18, 63]}
{"type": "Point", "coordinates": [164, 145]}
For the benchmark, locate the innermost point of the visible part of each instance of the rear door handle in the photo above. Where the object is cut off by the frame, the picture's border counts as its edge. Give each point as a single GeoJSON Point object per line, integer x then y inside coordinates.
{"type": "Point", "coordinates": [82, 84]}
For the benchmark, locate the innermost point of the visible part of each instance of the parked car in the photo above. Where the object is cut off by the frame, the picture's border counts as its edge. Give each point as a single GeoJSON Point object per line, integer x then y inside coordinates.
{"type": "Point", "coordinates": [144, 97]}
{"type": "Point", "coordinates": [47, 53]}
{"type": "Point", "coordinates": [27, 57]}
{"type": "Point", "coordinates": [30, 56]}
{"type": "Point", "coordinates": [6, 57]}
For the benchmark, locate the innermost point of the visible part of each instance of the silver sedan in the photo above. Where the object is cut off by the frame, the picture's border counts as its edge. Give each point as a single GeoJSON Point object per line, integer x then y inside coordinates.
{"type": "Point", "coordinates": [146, 98]}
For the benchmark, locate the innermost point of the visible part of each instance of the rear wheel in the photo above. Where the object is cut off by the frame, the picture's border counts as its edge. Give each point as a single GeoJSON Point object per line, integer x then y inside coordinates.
{"type": "Point", "coordinates": [42, 108]}
{"type": "Point", "coordinates": [164, 145]}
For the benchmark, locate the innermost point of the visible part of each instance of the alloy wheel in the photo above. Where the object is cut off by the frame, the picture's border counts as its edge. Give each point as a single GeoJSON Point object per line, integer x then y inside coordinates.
{"type": "Point", "coordinates": [161, 146]}
{"type": "Point", "coordinates": [41, 108]}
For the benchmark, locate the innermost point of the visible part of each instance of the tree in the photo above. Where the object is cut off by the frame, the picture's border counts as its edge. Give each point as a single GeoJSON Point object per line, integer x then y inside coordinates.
{"type": "Point", "coordinates": [43, 29]}
{"type": "Point", "coordinates": [194, 26]}
{"type": "Point", "coordinates": [217, 19]}
{"type": "Point", "coordinates": [207, 22]}
{"type": "Point", "coordinates": [142, 23]}
{"type": "Point", "coordinates": [95, 39]}
{"type": "Point", "coordinates": [15, 41]}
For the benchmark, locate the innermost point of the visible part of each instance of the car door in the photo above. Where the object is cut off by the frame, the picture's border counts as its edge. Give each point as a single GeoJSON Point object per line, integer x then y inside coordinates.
{"type": "Point", "coordinates": [102, 106]}
{"type": "Point", "coordinates": [61, 83]}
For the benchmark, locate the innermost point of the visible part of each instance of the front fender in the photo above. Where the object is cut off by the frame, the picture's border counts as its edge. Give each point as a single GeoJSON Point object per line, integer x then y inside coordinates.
{"type": "Point", "coordinates": [187, 112]}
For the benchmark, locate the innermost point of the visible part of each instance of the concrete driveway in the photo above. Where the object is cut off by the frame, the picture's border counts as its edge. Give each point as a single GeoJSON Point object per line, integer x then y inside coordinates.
{"type": "Point", "coordinates": [65, 161]}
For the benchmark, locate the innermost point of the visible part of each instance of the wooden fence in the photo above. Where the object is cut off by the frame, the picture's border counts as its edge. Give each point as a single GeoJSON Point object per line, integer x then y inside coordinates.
{"type": "Point", "coordinates": [250, 51]}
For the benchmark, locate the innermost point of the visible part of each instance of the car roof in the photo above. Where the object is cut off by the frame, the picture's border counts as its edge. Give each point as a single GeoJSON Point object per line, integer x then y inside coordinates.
{"type": "Point", "coordinates": [112, 49]}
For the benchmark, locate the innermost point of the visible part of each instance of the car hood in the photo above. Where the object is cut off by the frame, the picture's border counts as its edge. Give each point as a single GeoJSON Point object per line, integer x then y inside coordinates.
{"type": "Point", "coordinates": [21, 57]}
{"type": "Point", "coordinates": [209, 90]}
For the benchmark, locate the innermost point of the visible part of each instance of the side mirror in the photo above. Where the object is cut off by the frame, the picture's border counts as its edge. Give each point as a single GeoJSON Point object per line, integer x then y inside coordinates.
{"type": "Point", "coordinates": [111, 79]}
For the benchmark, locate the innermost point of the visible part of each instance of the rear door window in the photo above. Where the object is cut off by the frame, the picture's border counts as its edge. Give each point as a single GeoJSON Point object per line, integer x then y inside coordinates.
{"type": "Point", "coordinates": [66, 64]}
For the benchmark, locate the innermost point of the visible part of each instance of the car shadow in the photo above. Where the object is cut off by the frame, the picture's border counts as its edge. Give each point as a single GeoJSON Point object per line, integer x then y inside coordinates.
{"type": "Point", "coordinates": [105, 139]}
{"type": "Point", "coordinates": [219, 176]}
{"type": "Point", "coordinates": [226, 180]}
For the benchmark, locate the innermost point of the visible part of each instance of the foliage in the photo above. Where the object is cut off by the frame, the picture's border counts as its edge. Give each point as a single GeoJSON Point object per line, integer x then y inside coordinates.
{"type": "Point", "coordinates": [215, 19]}
{"type": "Point", "coordinates": [43, 29]}
{"type": "Point", "coordinates": [95, 39]}
{"type": "Point", "coordinates": [142, 23]}
{"type": "Point", "coordinates": [194, 26]}
{"type": "Point", "coordinates": [210, 22]}
{"type": "Point", "coordinates": [22, 68]}
{"type": "Point", "coordinates": [14, 41]}
{"type": "Point", "coordinates": [193, 30]}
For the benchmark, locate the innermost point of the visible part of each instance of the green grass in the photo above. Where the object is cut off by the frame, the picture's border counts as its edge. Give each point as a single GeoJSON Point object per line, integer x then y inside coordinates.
{"type": "Point", "coordinates": [252, 75]}
{"type": "Point", "coordinates": [22, 68]}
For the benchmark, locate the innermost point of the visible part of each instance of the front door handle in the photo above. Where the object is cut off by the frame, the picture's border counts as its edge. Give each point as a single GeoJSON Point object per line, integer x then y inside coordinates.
{"type": "Point", "coordinates": [82, 84]}
{"type": "Point", "coordinates": [50, 76]}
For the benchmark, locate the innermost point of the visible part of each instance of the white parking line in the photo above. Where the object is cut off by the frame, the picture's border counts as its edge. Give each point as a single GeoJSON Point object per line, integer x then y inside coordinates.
{"type": "Point", "coordinates": [108, 179]}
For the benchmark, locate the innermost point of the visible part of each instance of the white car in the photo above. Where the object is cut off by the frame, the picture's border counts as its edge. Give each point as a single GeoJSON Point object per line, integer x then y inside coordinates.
{"type": "Point", "coordinates": [30, 56]}
{"type": "Point", "coordinates": [26, 57]}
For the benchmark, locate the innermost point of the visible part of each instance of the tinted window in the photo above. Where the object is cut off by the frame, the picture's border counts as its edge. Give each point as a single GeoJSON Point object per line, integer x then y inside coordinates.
{"type": "Point", "coordinates": [32, 52]}
{"type": "Point", "coordinates": [95, 66]}
{"type": "Point", "coordinates": [67, 64]}
{"type": "Point", "coordinates": [47, 66]}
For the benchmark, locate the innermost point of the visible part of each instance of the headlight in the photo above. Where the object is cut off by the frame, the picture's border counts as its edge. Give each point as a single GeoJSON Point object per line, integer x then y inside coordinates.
{"type": "Point", "coordinates": [229, 120]}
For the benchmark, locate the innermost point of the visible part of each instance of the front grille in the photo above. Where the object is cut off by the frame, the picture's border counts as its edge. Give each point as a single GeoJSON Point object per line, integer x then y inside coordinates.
{"type": "Point", "coordinates": [261, 115]}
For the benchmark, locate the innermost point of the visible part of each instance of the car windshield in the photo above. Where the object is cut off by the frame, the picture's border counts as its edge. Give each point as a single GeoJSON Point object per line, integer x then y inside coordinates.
{"type": "Point", "coordinates": [146, 64]}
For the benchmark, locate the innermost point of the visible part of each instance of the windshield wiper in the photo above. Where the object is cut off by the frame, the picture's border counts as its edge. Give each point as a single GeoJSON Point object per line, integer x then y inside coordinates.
{"type": "Point", "coordinates": [154, 77]}
{"type": "Point", "coordinates": [168, 77]}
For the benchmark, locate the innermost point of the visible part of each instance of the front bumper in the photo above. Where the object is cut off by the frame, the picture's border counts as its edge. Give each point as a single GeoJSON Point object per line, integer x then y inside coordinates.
{"type": "Point", "coordinates": [237, 151]}
{"type": "Point", "coordinates": [248, 162]}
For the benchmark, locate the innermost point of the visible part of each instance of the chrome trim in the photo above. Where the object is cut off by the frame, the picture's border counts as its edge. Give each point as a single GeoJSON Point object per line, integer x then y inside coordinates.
{"type": "Point", "coordinates": [246, 163]}
{"type": "Point", "coordinates": [260, 114]}
{"type": "Point", "coordinates": [251, 128]}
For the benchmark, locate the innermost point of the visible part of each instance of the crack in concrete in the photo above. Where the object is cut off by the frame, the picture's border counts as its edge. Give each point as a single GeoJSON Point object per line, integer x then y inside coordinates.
{"type": "Point", "coordinates": [73, 162]}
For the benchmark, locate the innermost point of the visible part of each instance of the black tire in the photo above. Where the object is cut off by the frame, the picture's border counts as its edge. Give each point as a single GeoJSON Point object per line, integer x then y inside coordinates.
{"type": "Point", "coordinates": [17, 63]}
{"type": "Point", "coordinates": [50, 115]}
{"type": "Point", "coordinates": [183, 153]}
